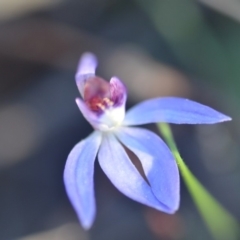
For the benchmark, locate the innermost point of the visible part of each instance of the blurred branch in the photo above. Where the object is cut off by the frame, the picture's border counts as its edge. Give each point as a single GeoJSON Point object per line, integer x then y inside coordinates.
{"type": "Point", "coordinates": [70, 231]}
{"type": "Point", "coordinates": [46, 42]}
{"type": "Point", "coordinates": [14, 8]}
{"type": "Point", "coordinates": [231, 8]}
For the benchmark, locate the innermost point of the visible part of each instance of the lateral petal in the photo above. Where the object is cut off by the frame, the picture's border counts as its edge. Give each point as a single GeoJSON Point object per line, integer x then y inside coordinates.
{"type": "Point", "coordinates": [78, 178]}
{"type": "Point", "coordinates": [120, 170]}
{"type": "Point", "coordinates": [157, 161]}
{"type": "Point", "coordinates": [118, 92]}
{"type": "Point", "coordinates": [172, 110]}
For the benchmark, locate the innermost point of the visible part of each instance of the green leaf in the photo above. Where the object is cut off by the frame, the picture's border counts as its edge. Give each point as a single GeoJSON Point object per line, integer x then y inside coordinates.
{"type": "Point", "coordinates": [219, 221]}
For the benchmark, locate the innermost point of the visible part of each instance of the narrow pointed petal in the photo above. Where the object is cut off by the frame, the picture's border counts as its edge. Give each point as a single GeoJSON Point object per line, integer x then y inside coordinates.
{"type": "Point", "coordinates": [125, 177]}
{"type": "Point", "coordinates": [172, 110]}
{"type": "Point", "coordinates": [157, 161]}
{"type": "Point", "coordinates": [86, 68]}
{"type": "Point", "coordinates": [78, 178]}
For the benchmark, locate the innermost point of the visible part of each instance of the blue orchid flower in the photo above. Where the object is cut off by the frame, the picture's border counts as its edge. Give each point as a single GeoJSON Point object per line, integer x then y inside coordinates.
{"type": "Point", "coordinates": [103, 106]}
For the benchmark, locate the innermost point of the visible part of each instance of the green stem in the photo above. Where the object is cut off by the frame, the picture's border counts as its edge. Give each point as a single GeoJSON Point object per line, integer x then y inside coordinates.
{"type": "Point", "coordinates": [220, 223]}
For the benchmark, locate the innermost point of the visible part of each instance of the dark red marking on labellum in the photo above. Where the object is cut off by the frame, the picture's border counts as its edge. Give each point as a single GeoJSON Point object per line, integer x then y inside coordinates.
{"type": "Point", "coordinates": [97, 94]}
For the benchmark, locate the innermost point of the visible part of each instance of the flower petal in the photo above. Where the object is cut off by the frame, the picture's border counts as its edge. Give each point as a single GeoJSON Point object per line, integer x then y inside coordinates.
{"type": "Point", "coordinates": [78, 178]}
{"type": "Point", "coordinates": [118, 92]}
{"type": "Point", "coordinates": [86, 68]}
{"type": "Point", "coordinates": [172, 110]}
{"type": "Point", "coordinates": [120, 170]}
{"type": "Point", "coordinates": [157, 161]}
{"type": "Point", "coordinates": [90, 116]}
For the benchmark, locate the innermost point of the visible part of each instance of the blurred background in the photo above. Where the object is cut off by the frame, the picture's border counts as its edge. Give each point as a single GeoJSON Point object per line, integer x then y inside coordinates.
{"type": "Point", "coordinates": [158, 48]}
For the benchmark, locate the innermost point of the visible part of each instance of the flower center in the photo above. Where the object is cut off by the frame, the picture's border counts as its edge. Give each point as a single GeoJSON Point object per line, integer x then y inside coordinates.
{"type": "Point", "coordinates": [97, 104]}
{"type": "Point", "coordinates": [97, 94]}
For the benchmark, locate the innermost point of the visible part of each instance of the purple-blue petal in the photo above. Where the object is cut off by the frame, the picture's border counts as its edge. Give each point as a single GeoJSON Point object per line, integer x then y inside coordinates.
{"type": "Point", "coordinates": [86, 68]}
{"type": "Point", "coordinates": [172, 110]}
{"type": "Point", "coordinates": [89, 115]}
{"type": "Point", "coordinates": [78, 178]}
{"type": "Point", "coordinates": [157, 161]}
{"type": "Point", "coordinates": [125, 177]}
{"type": "Point", "coordinates": [118, 92]}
